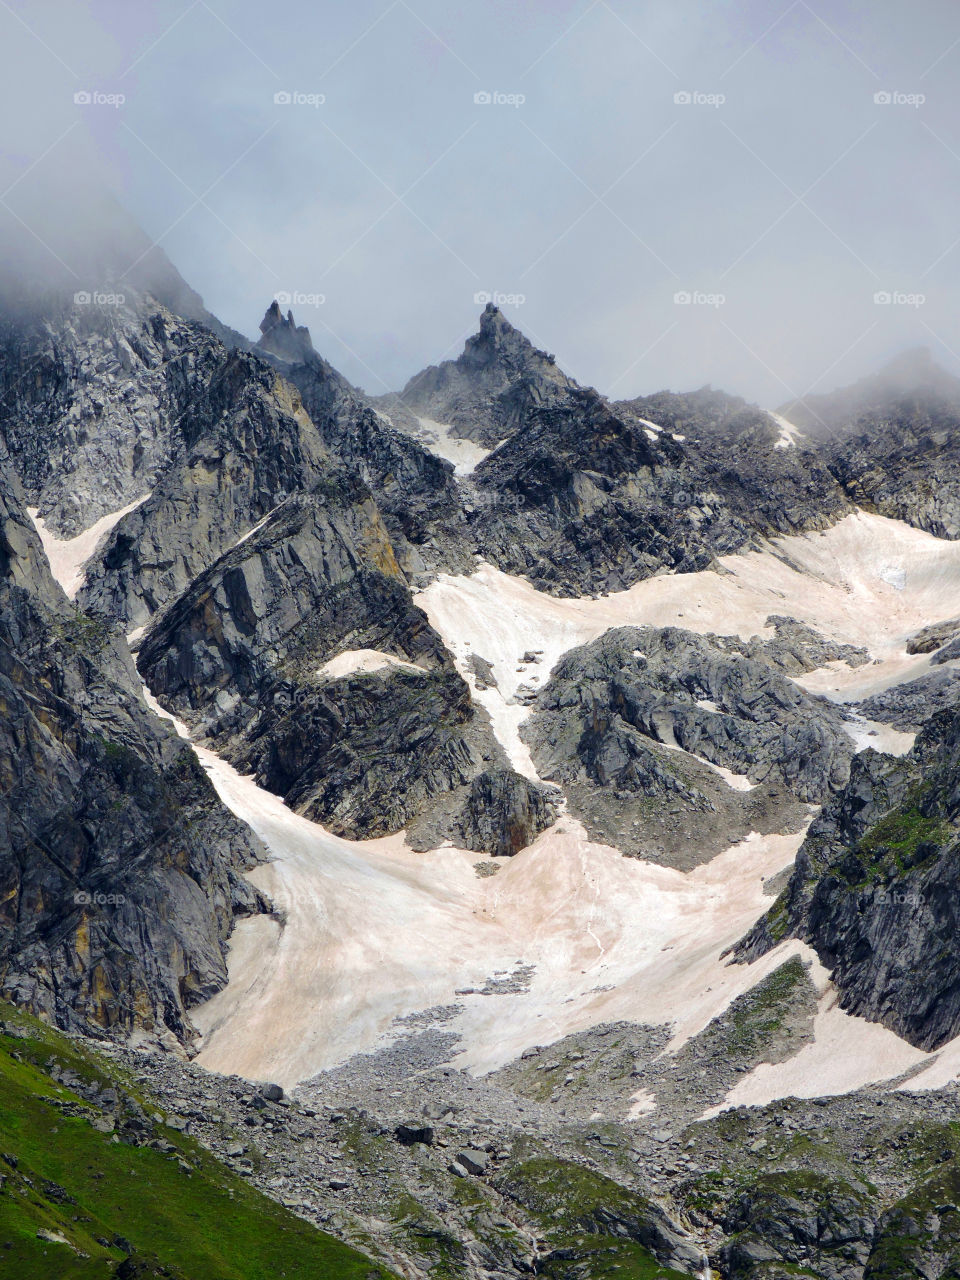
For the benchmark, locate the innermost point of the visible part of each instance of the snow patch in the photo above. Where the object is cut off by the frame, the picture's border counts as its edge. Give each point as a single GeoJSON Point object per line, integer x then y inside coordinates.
{"type": "Point", "coordinates": [881, 737]}
{"type": "Point", "coordinates": [790, 435]}
{"type": "Point", "coordinates": [438, 437]}
{"type": "Point", "coordinates": [847, 1053]}
{"type": "Point", "coordinates": [354, 661]}
{"type": "Point", "coordinates": [69, 557]}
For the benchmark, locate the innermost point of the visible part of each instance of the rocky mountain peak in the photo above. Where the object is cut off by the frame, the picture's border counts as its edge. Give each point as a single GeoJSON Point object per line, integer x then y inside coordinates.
{"type": "Point", "coordinates": [281, 336]}
{"type": "Point", "coordinates": [498, 344]}
{"type": "Point", "coordinates": [491, 388]}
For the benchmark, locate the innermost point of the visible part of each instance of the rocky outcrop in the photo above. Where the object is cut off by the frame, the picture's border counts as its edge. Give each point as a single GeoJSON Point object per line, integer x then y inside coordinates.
{"type": "Point", "coordinates": [588, 499]}
{"type": "Point", "coordinates": [92, 399]}
{"type": "Point", "coordinates": [246, 445]}
{"type": "Point", "coordinates": [770, 483]}
{"type": "Point", "coordinates": [414, 489]}
{"type": "Point", "coordinates": [909, 706]}
{"type": "Point", "coordinates": [503, 813]}
{"type": "Point", "coordinates": [490, 390]}
{"type": "Point", "coordinates": [606, 728]}
{"type": "Point", "coordinates": [802, 1220]}
{"type": "Point", "coordinates": [120, 868]}
{"type": "Point", "coordinates": [934, 637]}
{"type": "Point", "coordinates": [874, 889]}
{"type": "Point", "coordinates": [243, 656]}
{"type": "Point", "coordinates": [367, 754]}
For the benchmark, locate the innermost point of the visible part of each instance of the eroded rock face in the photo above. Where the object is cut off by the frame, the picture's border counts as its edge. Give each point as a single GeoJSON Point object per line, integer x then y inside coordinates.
{"type": "Point", "coordinates": [121, 869]}
{"type": "Point", "coordinates": [909, 706]}
{"type": "Point", "coordinates": [604, 724]}
{"type": "Point", "coordinates": [246, 445]}
{"type": "Point", "coordinates": [368, 754]}
{"type": "Point", "coordinates": [874, 888]}
{"type": "Point", "coordinates": [799, 1219]}
{"type": "Point", "coordinates": [93, 397]}
{"type": "Point", "coordinates": [934, 637]}
{"type": "Point", "coordinates": [414, 489]}
{"type": "Point", "coordinates": [503, 813]}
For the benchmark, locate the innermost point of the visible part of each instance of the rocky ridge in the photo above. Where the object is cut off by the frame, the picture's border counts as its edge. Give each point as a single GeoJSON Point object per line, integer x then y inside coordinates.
{"type": "Point", "coordinates": [873, 893]}
{"type": "Point", "coordinates": [122, 871]}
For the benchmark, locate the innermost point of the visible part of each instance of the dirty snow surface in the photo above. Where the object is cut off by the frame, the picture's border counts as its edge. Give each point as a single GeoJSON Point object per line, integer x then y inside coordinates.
{"type": "Point", "coordinates": [367, 932]}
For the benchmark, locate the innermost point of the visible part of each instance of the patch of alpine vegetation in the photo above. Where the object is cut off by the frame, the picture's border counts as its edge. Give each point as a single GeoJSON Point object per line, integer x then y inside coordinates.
{"type": "Point", "coordinates": [490, 391]}
{"type": "Point", "coordinates": [414, 489]}
{"type": "Point", "coordinates": [589, 499]}
{"type": "Point", "coordinates": [874, 889]}
{"type": "Point", "coordinates": [891, 440]}
{"type": "Point", "coordinates": [767, 1024]}
{"type": "Point", "coordinates": [592, 1225]}
{"type": "Point", "coordinates": [120, 869]}
{"type": "Point", "coordinates": [603, 1070]}
{"type": "Point", "coordinates": [606, 728]}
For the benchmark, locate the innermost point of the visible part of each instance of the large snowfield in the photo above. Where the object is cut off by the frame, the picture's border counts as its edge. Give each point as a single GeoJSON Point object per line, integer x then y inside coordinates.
{"type": "Point", "coordinates": [372, 931]}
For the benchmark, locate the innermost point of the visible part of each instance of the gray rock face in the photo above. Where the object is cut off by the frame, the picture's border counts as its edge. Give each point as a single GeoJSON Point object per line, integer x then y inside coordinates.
{"type": "Point", "coordinates": [586, 498]}
{"type": "Point", "coordinates": [368, 754]}
{"type": "Point", "coordinates": [603, 726]}
{"type": "Point", "coordinates": [246, 445]}
{"type": "Point", "coordinates": [503, 813]}
{"type": "Point", "coordinates": [414, 489]}
{"type": "Point", "coordinates": [490, 390]}
{"type": "Point", "coordinates": [93, 396]}
{"type": "Point", "coordinates": [874, 889]}
{"type": "Point", "coordinates": [909, 706]}
{"type": "Point", "coordinates": [818, 1221]}
{"type": "Point", "coordinates": [120, 868]}
{"type": "Point", "coordinates": [934, 637]}
{"type": "Point", "coordinates": [797, 648]}
{"type": "Point", "coordinates": [318, 577]}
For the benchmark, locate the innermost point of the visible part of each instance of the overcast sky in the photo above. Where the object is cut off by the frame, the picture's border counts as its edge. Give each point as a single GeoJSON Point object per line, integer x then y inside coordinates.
{"type": "Point", "coordinates": [777, 192]}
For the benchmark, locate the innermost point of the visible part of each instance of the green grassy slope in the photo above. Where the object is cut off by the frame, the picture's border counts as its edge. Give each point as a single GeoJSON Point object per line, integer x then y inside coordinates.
{"type": "Point", "coordinates": [76, 1201]}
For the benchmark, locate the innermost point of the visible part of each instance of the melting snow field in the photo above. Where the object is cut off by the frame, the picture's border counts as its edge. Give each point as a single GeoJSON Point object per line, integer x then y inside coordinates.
{"type": "Point", "coordinates": [362, 660]}
{"type": "Point", "coordinates": [867, 581]}
{"type": "Point", "coordinates": [373, 931]}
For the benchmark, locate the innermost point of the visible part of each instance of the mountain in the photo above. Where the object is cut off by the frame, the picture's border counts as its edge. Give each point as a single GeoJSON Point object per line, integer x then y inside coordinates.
{"type": "Point", "coordinates": [873, 889]}
{"type": "Point", "coordinates": [414, 489]}
{"type": "Point", "coordinates": [549, 868]}
{"type": "Point", "coordinates": [588, 497]}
